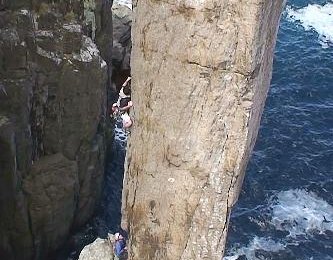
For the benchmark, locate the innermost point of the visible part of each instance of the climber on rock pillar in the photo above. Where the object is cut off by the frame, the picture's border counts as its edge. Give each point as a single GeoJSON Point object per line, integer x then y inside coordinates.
{"type": "Point", "coordinates": [122, 106]}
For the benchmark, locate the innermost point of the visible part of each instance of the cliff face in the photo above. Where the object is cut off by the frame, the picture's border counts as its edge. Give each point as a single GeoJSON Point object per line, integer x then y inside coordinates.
{"type": "Point", "coordinates": [121, 49]}
{"type": "Point", "coordinates": [52, 103]}
{"type": "Point", "coordinates": [201, 71]}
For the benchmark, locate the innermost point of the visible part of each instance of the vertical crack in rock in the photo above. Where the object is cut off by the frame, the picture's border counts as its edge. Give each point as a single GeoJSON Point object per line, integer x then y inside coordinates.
{"type": "Point", "coordinates": [52, 148]}
{"type": "Point", "coordinates": [201, 72]}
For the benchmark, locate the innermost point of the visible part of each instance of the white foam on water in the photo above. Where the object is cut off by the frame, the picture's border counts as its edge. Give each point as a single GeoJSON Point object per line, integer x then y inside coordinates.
{"type": "Point", "coordinates": [127, 3]}
{"type": "Point", "coordinates": [120, 134]}
{"type": "Point", "coordinates": [257, 243]}
{"type": "Point", "coordinates": [315, 17]}
{"type": "Point", "coordinates": [301, 213]}
{"type": "Point", "coordinates": [296, 211]}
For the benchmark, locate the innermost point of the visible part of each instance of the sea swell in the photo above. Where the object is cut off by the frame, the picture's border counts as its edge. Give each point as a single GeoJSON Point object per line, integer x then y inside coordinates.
{"type": "Point", "coordinates": [289, 220]}
{"type": "Point", "coordinates": [285, 209]}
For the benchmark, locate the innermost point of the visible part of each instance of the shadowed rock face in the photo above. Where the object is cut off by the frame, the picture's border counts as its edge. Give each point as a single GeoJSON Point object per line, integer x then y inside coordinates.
{"type": "Point", "coordinates": [201, 71]}
{"type": "Point", "coordinates": [52, 99]}
{"type": "Point", "coordinates": [121, 50]}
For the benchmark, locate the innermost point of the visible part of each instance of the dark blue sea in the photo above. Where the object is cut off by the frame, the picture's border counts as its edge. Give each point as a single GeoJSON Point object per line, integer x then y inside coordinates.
{"type": "Point", "coordinates": [285, 210]}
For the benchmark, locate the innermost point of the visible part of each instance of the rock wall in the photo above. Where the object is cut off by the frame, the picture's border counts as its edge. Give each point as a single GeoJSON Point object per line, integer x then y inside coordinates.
{"type": "Point", "coordinates": [122, 44]}
{"type": "Point", "coordinates": [201, 72]}
{"type": "Point", "coordinates": [121, 49]}
{"type": "Point", "coordinates": [53, 84]}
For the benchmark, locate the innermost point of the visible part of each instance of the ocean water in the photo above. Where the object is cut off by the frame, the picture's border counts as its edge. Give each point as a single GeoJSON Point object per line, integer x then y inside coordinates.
{"type": "Point", "coordinates": [285, 210]}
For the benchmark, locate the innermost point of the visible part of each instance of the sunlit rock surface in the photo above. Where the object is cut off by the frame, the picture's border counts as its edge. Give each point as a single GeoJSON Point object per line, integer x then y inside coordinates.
{"type": "Point", "coordinates": [201, 71]}
{"type": "Point", "coordinates": [100, 249]}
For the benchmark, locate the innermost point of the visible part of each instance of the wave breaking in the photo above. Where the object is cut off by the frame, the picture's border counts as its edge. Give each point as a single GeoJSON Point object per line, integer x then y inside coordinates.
{"type": "Point", "coordinates": [314, 17]}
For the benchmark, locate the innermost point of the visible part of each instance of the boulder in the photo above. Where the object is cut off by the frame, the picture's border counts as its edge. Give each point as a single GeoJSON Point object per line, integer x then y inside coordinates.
{"type": "Point", "coordinates": [100, 249]}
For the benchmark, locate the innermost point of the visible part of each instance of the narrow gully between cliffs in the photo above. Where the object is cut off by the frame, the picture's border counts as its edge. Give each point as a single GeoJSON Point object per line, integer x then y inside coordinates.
{"type": "Point", "coordinates": [107, 217]}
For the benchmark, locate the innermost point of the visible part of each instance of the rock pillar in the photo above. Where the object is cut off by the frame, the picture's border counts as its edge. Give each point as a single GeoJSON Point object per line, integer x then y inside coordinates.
{"type": "Point", "coordinates": [201, 71]}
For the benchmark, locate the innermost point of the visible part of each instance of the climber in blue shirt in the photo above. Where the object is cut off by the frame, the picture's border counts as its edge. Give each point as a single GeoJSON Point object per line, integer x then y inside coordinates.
{"type": "Point", "coordinates": [119, 247]}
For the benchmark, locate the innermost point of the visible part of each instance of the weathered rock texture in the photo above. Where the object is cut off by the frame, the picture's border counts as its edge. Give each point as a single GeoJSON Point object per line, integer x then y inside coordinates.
{"type": "Point", "coordinates": [52, 99]}
{"type": "Point", "coordinates": [100, 249]}
{"type": "Point", "coordinates": [201, 71]}
{"type": "Point", "coordinates": [121, 49]}
{"type": "Point", "coordinates": [122, 44]}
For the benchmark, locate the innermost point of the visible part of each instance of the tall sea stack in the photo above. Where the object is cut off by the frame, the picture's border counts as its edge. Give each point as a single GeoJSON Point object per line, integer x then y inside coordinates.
{"type": "Point", "coordinates": [201, 71]}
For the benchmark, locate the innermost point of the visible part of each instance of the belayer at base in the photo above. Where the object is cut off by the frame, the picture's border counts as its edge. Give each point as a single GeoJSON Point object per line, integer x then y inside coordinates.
{"type": "Point", "coordinates": [119, 248]}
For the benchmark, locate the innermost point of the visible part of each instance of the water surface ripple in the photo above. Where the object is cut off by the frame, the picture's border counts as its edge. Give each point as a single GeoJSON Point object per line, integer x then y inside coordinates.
{"type": "Point", "coordinates": [285, 209]}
